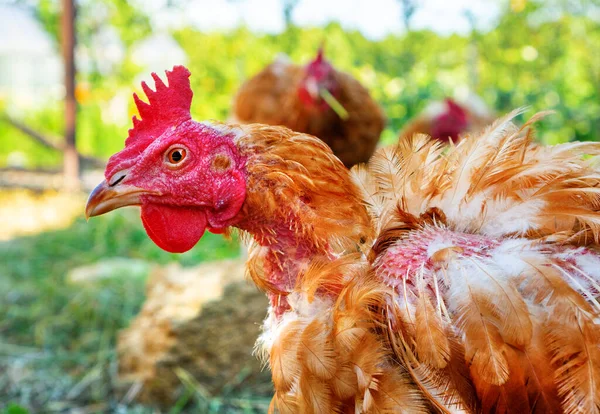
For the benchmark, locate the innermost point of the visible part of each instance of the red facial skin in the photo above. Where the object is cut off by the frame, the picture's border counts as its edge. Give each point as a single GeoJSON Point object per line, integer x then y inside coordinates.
{"type": "Point", "coordinates": [194, 195]}
{"type": "Point", "coordinates": [179, 201]}
{"type": "Point", "coordinates": [319, 75]}
{"type": "Point", "coordinates": [451, 123]}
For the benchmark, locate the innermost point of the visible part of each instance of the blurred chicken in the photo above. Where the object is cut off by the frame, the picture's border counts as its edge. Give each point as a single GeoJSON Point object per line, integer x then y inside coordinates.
{"type": "Point", "coordinates": [315, 99]}
{"type": "Point", "coordinates": [461, 279]}
{"type": "Point", "coordinates": [447, 120]}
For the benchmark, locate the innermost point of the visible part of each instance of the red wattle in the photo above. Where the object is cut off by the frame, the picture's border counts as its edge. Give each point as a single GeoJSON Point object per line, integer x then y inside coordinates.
{"type": "Point", "coordinates": [174, 229]}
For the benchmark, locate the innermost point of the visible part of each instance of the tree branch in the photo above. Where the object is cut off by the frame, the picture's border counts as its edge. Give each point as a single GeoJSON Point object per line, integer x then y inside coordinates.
{"type": "Point", "coordinates": [47, 142]}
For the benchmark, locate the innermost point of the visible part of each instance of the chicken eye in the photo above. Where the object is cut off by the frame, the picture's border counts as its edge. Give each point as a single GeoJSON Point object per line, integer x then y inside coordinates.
{"type": "Point", "coordinates": [176, 155]}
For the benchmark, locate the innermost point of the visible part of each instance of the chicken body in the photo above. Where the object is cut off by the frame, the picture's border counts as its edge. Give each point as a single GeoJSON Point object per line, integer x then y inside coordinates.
{"type": "Point", "coordinates": [460, 279]}
{"type": "Point", "coordinates": [481, 280]}
{"type": "Point", "coordinates": [278, 96]}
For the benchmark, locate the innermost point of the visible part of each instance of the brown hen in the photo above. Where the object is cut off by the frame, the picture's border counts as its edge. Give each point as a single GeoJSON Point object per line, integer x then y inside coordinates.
{"type": "Point", "coordinates": [315, 99]}
{"type": "Point", "coordinates": [449, 120]}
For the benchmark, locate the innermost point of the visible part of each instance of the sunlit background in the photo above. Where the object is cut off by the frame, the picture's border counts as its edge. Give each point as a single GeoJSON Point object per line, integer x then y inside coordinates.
{"type": "Point", "coordinates": [67, 287]}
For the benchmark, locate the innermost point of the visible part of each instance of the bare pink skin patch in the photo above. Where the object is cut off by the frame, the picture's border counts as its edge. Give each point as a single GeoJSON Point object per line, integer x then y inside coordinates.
{"type": "Point", "coordinates": [426, 255]}
{"type": "Point", "coordinates": [418, 249]}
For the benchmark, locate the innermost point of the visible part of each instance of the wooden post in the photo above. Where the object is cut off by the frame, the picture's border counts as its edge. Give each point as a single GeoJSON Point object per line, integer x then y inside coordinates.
{"type": "Point", "coordinates": [70, 156]}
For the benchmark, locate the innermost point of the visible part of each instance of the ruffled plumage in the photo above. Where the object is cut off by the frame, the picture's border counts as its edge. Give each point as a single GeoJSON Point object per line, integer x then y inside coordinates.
{"type": "Point", "coordinates": [484, 245]}
{"type": "Point", "coordinates": [469, 280]}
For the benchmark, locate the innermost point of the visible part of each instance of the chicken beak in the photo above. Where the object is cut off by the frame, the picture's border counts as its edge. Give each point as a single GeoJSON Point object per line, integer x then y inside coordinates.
{"type": "Point", "coordinates": [105, 198]}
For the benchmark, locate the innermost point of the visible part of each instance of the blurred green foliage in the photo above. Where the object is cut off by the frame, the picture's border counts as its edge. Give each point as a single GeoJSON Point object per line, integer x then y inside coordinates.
{"type": "Point", "coordinates": [15, 409]}
{"type": "Point", "coordinates": [131, 23]}
{"type": "Point", "coordinates": [533, 57]}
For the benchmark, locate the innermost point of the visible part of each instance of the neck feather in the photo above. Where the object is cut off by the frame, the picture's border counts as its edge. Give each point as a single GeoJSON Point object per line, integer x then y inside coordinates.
{"type": "Point", "coordinates": [301, 206]}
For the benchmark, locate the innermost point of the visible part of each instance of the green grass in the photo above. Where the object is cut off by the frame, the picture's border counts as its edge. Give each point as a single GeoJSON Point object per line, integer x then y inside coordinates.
{"type": "Point", "coordinates": [57, 339]}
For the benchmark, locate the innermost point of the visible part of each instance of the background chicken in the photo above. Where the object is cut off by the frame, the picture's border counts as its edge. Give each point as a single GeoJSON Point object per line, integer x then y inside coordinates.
{"type": "Point", "coordinates": [458, 280]}
{"type": "Point", "coordinates": [316, 99]}
{"type": "Point", "coordinates": [446, 120]}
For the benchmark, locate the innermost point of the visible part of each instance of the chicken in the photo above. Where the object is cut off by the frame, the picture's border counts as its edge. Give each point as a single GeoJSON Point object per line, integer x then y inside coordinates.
{"type": "Point", "coordinates": [447, 120]}
{"type": "Point", "coordinates": [315, 99]}
{"type": "Point", "coordinates": [435, 279]}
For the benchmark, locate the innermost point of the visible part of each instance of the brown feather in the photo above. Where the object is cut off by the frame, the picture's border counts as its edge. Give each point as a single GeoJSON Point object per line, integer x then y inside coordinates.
{"type": "Point", "coordinates": [314, 395]}
{"type": "Point", "coordinates": [317, 352]}
{"type": "Point", "coordinates": [283, 403]}
{"type": "Point", "coordinates": [285, 365]}
{"type": "Point", "coordinates": [432, 345]}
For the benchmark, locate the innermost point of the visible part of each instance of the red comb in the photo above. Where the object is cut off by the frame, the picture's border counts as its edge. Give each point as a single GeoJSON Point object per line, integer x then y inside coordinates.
{"type": "Point", "coordinates": [168, 106]}
{"type": "Point", "coordinates": [319, 57]}
{"type": "Point", "coordinates": [454, 106]}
